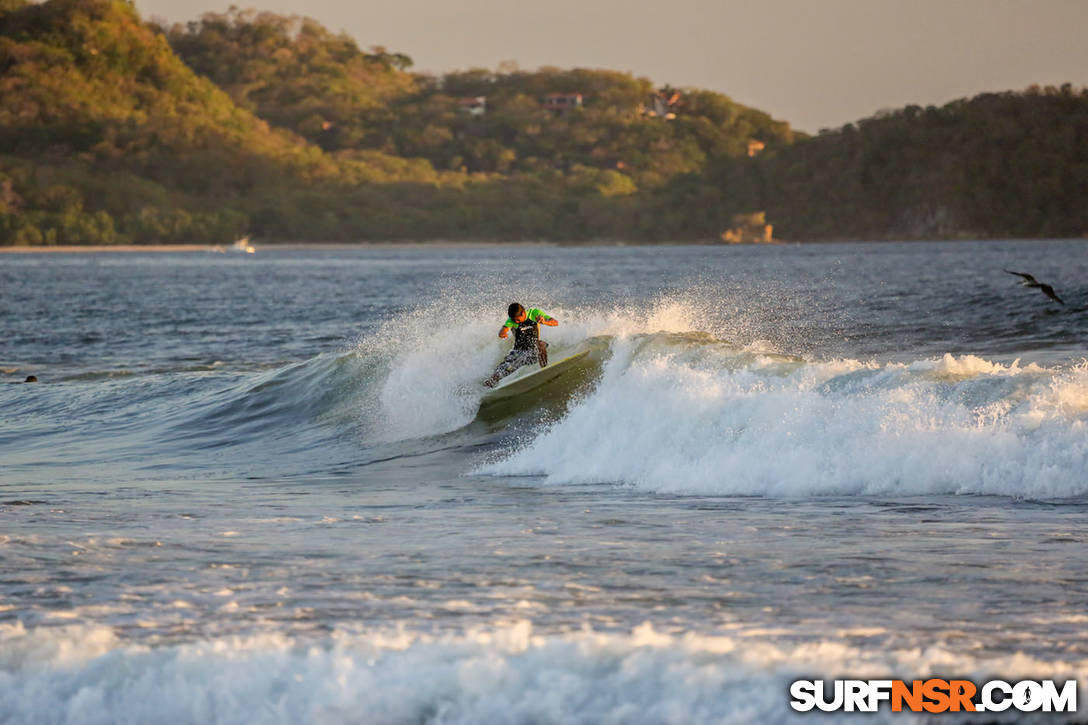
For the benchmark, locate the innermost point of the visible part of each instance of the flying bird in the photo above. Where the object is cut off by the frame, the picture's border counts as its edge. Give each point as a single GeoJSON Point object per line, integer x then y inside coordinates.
{"type": "Point", "coordinates": [1030, 281]}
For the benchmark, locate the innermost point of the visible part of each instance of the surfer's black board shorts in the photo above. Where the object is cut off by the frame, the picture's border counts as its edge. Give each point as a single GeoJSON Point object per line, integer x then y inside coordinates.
{"type": "Point", "coordinates": [515, 359]}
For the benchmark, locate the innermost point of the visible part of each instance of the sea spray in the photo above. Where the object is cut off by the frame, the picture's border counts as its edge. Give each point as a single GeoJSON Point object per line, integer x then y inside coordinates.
{"type": "Point", "coordinates": [431, 361]}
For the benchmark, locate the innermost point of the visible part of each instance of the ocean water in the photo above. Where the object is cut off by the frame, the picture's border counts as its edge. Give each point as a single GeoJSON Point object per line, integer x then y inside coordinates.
{"type": "Point", "coordinates": [269, 489]}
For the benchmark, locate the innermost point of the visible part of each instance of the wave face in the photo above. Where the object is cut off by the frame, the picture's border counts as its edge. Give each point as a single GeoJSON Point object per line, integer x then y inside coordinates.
{"type": "Point", "coordinates": [691, 414]}
{"type": "Point", "coordinates": [416, 377]}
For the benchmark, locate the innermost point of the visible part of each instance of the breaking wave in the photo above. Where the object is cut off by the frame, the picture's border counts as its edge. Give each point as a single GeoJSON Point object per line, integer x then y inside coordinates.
{"type": "Point", "coordinates": [668, 402]}
{"type": "Point", "coordinates": [506, 673]}
{"type": "Point", "coordinates": [690, 414]}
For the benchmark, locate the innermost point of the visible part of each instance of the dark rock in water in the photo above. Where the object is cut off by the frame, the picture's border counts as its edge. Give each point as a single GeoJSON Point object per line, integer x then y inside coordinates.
{"type": "Point", "coordinates": [31, 379]}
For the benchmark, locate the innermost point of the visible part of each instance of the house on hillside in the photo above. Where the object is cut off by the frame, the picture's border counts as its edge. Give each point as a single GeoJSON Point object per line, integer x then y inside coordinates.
{"type": "Point", "coordinates": [663, 104]}
{"type": "Point", "coordinates": [473, 105]}
{"type": "Point", "coordinates": [563, 102]}
{"type": "Point", "coordinates": [755, 146]}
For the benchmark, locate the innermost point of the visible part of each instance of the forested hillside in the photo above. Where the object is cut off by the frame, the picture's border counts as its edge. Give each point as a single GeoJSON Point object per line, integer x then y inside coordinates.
{"type": "Point", "coordinates": [997, 165]}
{"type": "Point", "coordinates": [294, 73]}
{"type": "Point", "coordinates": [113, 129]}
{"type": "Point", "coordinates": [105, 135]}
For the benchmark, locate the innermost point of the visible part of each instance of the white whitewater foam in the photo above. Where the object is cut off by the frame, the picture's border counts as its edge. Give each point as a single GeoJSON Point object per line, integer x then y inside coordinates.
{"type": "Point", "coordinates": [710, 420]}
{"type": "Point", "coordinates": [502, 674]}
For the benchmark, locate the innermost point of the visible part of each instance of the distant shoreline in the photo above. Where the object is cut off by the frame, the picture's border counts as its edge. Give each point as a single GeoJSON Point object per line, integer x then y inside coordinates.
{"type": "Point", "coordinates": [225, 249]}
{"type": "Point", "coordinates": [303, 246]}
{"type": "Point", "coordinates": [63, 249]}
{"type": "Point", "coordinates": [451, 244]}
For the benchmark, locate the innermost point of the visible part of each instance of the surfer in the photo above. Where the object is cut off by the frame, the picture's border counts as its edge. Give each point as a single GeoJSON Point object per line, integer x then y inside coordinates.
{"type": "Point", "coordinates": [528, 347]}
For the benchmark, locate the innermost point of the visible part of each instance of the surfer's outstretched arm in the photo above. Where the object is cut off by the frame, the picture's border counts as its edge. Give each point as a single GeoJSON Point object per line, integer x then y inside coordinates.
{"type": "Point", "coordinates": [549, 321]}
{"type": "Point", "coordinates": [504, 332]}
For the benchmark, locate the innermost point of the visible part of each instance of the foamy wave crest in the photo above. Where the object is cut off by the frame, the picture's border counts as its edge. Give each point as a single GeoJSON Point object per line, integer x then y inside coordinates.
{"type": "Point", "coordinates": [503, 674]}
{"type": "Point", "coordinates": [713, 419]}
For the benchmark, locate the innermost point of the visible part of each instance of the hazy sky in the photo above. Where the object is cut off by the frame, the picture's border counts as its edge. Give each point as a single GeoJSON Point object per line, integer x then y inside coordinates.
{"type": "Point", "coordinates": [814, 63]}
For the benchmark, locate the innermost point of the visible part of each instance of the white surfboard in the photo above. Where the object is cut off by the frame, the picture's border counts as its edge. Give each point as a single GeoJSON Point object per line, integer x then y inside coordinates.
{"type": "Point", "coordinates": [531, 377]}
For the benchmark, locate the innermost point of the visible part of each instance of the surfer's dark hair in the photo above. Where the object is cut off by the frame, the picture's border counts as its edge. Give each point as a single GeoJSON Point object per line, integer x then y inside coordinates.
{"type": "Point", "coordinates": [514, 310]}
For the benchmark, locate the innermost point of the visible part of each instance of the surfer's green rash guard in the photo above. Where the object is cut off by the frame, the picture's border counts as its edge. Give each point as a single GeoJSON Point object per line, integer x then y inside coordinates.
{"type": "Point", "coordinates": [526, 333]}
